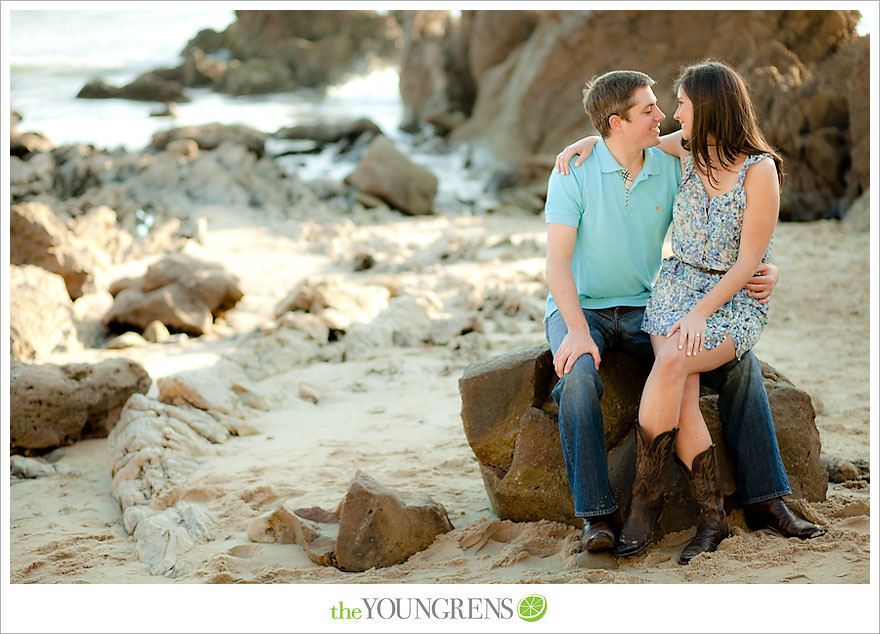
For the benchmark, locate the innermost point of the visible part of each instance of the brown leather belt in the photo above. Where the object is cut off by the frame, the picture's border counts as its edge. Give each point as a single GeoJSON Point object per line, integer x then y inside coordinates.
{"type": "Point", "coordinates": [709, 271]}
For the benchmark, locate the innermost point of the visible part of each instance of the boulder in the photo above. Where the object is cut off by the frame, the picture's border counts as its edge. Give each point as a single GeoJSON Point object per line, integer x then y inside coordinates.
{"type": "Point", "coordinates": [32, 177]}
{"type": "Point", "coordinates": [325, 133]}
{"type": "Point", "coordinates": [255, 76]}
{"type": "Point", "coordinates": [320, 47]}
{"type": "Point", "coordinates": [373, 527]}
{"type": "Point", "coordinates": [41, 318]}
{"type": "Point", "coordinates": [509, 419]}
{"type": "Point", "coordinates": [387, 173]}
{"type": "Point", "coordinates": [180, 291]}
{"type": "Point", "coordinates": [98, 89]}
{"type": "Point", "coordinates": [147, 87]}
{"type": "Point", "coordinates": [53, 405]}
{"type": "Point", "coordinates": [37, 236]}
{"type": "Point", "coordinates": [210, 136]}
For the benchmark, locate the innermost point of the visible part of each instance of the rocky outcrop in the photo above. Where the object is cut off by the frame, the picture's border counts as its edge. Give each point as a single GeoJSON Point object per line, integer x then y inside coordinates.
{"type": "Point", "coordinates": [146, 87]}
{"type": "Point", "coordinates": [211, 136]}
{"type": "Point", "coordinates": [31, 177]}
{"type": "Point", "coordinates": [373, 527]}
{"type": "Point", "coordinates": [807, 70]}
{"type": "Point", "coordinates": [152, 448]}
{"type": "Point", "coordinates": [444, 61]}
{"type": "Point", "coordinates": [41, 319]}
{"type": "Point", "coordinates": [52, 405]}
{"type": "Point", "coordinates": [509, 419]}
{"type": "Point", "coordinates": [386, 172]}
{"type": "Point", "coordinates": [157, 444]}
{"type": "Point", "coordinates": [326, 133]}
{"type": "Point", "coordinates": [180, 291]}
{"type": "Point", "coordinates": [269, 51]}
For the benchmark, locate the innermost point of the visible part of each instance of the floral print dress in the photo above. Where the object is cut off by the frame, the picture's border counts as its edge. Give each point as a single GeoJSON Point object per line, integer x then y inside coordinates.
{"type": "Point", "coordinates": [705, 243]}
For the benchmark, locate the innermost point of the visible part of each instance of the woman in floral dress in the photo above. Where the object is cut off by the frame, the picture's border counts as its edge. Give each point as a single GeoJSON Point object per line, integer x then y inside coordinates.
{"type": "Point", "coordinates": [698, 315]}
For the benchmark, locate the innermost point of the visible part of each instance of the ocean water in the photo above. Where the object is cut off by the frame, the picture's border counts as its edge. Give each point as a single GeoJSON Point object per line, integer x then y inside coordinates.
{"type": "Point", "coordinates": [53, 53]}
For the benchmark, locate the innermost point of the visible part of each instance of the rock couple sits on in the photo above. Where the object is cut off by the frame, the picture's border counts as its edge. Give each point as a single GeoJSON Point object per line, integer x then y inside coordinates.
{"type": "Point", "coordinates": [717, 181]}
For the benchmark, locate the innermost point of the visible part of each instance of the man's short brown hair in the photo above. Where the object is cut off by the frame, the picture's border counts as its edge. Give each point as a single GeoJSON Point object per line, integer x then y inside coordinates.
{"type": "Point", "coordinates": [610, 94]}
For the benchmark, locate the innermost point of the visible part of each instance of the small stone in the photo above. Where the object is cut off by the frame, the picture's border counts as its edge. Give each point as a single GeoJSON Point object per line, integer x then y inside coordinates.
{"type": "Point", "coordinates": [156, 332]}
{"type": "Point", "coordinates": [128, 339]}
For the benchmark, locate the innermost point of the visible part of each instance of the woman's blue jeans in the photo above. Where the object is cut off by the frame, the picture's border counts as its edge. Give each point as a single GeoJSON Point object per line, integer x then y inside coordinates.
{"type": "Point", "coordinates": [742, 404]}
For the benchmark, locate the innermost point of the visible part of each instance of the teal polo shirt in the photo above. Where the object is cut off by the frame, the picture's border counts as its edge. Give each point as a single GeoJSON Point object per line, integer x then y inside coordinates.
{"type": "Point", "coordinates": [619, 244]}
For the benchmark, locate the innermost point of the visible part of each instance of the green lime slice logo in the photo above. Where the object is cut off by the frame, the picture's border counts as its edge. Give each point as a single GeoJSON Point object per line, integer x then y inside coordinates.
{"type": "Point", "coordinates": [532, 607]}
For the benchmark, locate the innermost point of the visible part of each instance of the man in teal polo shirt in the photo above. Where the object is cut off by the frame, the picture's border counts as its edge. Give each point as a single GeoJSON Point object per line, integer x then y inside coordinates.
{"type": "Point", "coordinates": [606, 221]}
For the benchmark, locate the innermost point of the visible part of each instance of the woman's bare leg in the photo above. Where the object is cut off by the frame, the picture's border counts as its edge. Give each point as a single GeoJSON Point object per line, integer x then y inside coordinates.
{"type": "Point", "coordinates": [693, 435]}
{"type": "Point", "coordinates": [660, 407]}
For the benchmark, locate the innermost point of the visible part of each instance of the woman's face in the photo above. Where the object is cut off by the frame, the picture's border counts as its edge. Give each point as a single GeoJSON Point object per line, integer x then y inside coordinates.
{"type": "Point", "coordinates": [684, 113]}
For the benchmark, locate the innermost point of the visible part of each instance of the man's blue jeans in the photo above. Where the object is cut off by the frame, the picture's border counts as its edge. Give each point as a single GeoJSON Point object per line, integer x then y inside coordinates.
{"type": "Point", "coordinates": [742, 404]}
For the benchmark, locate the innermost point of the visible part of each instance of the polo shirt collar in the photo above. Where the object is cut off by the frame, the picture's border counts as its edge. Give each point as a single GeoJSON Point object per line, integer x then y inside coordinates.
{"type": "Point", "coordinates": [607, 162]}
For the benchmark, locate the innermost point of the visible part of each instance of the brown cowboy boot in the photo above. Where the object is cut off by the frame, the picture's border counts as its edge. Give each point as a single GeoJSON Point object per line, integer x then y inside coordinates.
{"type": "Point", "coordinates": [648, 489]}
{"type": "Point", "coordinates": [704, 485]}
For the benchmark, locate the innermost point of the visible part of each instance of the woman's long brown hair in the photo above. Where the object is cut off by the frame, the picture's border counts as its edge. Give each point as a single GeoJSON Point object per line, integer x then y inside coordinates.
{"type": "Point", "coordinates": [723, 111]}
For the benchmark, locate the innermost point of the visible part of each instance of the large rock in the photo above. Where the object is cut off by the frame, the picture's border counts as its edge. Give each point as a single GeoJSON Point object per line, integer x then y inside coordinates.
{"type": "Point", "coordinates": [324, 133]}
{"type": "Point", "coordinates": [509, 419]}
{"type": "Point", "coordinates": [52, 405]}
{"type": "Point", "coordinates": [180, 291]}
{"type": "Point", "coordinates": [147, 87]}
{"type": "Point", "coordinates": [212, 135]}
{"type": "Point", "coordinates": [319, 47]}
{"type": "Point", "coordinates": [31, 177]}
{"type": "Point", "coordinates": [387, 173]}
{"type": "Point", "coordinates": [37, 236]}
{"type": "Point", "coordinates": [41, 318]}
{"type": "Point", "coordinates": [256, 76]}
{"type": "Point", "coordinates": [373, 527]}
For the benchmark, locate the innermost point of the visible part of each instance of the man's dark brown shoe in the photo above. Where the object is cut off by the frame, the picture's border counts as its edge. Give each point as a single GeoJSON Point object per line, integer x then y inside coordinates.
{"type": "Point", "coordinates": [774, 514]}
{"type": "Point", "coordinates": [597, 534]}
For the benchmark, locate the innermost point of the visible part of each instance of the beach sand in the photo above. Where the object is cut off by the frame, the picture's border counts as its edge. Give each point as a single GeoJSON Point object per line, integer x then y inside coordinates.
{"type": "Point", "coordinates": [396, 417]}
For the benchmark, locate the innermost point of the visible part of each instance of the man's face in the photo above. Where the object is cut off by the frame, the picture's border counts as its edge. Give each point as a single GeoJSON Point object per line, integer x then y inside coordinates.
{"type": "Point", "coordinates": [643, 126]}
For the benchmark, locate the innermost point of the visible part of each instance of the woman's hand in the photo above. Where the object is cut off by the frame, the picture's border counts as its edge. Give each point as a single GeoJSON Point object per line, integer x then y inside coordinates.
{"type": "Point", "coordinates": [691, 333]}
{"type": "Point", "coordinates": [584, 147]}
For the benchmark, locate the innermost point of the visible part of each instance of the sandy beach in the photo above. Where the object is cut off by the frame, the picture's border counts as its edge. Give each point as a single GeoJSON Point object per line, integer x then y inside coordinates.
{"type": "Point", "coordinates": [395, 416]}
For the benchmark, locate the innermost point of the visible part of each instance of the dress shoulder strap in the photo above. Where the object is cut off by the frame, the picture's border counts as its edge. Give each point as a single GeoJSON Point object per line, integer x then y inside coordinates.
{"type": "Point", "coordinates": [754, 158]}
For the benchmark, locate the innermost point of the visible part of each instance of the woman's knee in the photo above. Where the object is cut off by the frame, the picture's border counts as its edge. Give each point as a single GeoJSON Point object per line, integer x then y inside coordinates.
{"type": "Point", "coordinates": [669, 360]}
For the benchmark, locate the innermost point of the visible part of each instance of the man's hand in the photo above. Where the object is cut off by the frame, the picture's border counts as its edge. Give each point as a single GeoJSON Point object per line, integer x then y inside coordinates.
{"type": "Point", "coordinates": [761, 286]}
{"type": "Point", "coordinates": [573, 345]}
